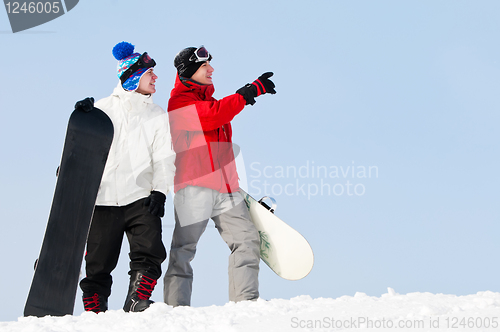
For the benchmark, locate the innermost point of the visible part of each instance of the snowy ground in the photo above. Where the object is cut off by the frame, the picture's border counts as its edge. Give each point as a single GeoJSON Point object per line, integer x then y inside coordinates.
{"type": "Point", "coordinates": [391, 311]}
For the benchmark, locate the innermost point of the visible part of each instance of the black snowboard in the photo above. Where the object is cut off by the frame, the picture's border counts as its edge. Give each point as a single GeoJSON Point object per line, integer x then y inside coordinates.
{"type": "Point", "coordinates": [53, 289]}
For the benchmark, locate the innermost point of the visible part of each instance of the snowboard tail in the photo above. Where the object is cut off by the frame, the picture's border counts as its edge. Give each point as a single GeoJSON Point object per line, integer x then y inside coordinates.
{"type": "Point", "coordinates": [282, 248]}
{"type": "Point", "coordinates": [53, 289]}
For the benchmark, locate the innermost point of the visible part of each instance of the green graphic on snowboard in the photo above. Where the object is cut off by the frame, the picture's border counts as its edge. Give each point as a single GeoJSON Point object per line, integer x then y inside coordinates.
{"type": "Point", "coordinates": [265, 245]}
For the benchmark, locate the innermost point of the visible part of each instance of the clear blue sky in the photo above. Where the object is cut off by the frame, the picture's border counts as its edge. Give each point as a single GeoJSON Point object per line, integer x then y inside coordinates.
{"type": "Point", "coordinates": [406, 89]}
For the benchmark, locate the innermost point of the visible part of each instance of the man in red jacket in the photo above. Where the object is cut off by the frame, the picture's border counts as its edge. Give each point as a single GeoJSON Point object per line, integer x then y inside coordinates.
{"type": "Point", "coordinates": [206, 180]}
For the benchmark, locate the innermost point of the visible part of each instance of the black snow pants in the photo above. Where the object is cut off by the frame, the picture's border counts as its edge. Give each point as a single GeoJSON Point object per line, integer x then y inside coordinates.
{"type": "Point", "coordinates": [104, 242]}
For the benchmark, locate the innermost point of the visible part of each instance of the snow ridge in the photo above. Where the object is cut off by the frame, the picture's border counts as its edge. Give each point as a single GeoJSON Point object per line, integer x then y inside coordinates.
{"type": "Point", "coordinates": [391, 311]}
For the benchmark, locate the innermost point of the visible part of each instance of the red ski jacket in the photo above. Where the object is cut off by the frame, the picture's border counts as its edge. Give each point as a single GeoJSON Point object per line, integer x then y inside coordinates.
{"type": "Point", "coordinates": [201, 135]}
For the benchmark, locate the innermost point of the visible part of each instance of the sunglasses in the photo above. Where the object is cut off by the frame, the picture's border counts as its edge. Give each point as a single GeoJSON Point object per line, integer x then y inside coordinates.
{"type": "Point", "coordinates": [200, 54]}
{"type": "Point", "coordinates": [144, 61]}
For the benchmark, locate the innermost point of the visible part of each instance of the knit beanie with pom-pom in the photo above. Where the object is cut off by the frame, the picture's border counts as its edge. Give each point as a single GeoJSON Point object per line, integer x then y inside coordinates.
{"type": "Point", "coordinates": [124, 53]}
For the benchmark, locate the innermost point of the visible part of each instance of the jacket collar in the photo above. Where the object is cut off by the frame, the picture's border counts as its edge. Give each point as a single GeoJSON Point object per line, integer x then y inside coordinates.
{"type": "Point", "coordinates": [188, 85]}
{"type": "Point", "coordinates": [131, 100]}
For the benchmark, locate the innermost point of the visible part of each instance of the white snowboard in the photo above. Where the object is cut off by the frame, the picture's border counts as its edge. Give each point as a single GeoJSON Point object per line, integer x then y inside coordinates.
{"type": "Point", "coordinates": [282, 248]}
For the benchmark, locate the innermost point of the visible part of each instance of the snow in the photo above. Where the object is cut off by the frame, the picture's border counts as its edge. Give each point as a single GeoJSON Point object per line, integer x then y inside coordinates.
{"type": "Point", "coordinates": [390, 311]}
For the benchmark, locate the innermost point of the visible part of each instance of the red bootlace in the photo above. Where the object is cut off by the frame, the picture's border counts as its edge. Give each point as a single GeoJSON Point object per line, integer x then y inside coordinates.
{"type": "Point", "coordinates": [92, 303]}
{"type": "Point", "coordinates": [143, 292]}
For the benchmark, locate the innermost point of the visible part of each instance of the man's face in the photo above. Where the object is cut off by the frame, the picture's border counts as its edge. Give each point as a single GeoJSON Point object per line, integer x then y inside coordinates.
{"type": "Point", "coordinates": [204, 74]}
{"type": "Point", "coordinates": [147, 83]}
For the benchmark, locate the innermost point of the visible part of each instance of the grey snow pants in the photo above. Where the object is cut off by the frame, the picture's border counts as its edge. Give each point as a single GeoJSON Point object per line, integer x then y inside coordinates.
{"type": "Point", "coordinates": [194, 206]}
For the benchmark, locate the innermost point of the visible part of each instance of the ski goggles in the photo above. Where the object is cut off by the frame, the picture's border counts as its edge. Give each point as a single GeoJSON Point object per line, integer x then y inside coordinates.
{"type": "Point", "coordinates": [144, 61]}
{"type": "Point", "coordinates": [200, 54]}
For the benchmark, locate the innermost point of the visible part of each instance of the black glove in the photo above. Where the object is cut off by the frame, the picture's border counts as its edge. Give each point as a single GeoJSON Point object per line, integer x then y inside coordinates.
{"type": "Point", "coordinates": [156, 203]}
{"type": "Point", "coordinates": [85, 105]}
{"type": "Point", "coordinates": [259, 87]}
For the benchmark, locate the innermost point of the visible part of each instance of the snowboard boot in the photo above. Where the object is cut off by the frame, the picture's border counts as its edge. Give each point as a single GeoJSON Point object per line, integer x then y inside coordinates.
{"type": "Point", "coordinates": [95, 302]}
{"type": "Point", "coordinates": [139, 292]}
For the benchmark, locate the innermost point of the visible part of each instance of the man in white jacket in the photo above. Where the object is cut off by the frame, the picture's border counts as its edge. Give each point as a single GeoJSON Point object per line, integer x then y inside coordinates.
{"type": "Point", "coordinates": [137, 177]}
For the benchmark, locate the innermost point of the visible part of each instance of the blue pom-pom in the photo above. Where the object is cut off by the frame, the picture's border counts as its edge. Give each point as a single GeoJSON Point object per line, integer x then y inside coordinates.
{"type": "Point", "coordinates": [123, 50]}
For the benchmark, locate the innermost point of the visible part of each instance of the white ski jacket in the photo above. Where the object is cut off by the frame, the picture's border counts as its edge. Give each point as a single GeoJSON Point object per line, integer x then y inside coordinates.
{"type": "Point", "coordinates": [141, 158]}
